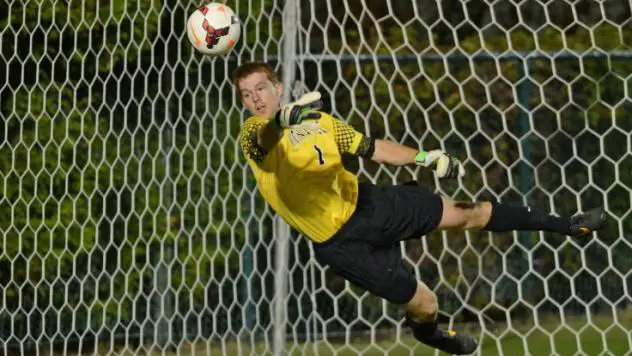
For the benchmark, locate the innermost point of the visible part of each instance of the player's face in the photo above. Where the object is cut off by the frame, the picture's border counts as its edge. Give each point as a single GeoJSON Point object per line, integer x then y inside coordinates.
{"type": "Point", "coordinates": [259, 95]}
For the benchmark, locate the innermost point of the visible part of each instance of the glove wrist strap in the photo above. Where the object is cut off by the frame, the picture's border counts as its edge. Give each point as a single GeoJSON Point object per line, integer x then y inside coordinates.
{"type": "Point", "coordinates": [421, 156]}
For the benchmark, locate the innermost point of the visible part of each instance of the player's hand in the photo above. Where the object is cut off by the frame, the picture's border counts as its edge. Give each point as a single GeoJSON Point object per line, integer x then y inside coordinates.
{"type": "Point", "coordinates": [303, 109]}
{"type": "Point", "coordinates": [444, 164]}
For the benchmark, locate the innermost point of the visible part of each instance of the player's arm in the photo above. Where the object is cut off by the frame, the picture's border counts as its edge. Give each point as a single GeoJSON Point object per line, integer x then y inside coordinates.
{"type": "Point", "coordinates": [259, 135]}
{"type": "Point", "coordinates": [268, 134]}
{"type": "Point", "coordinates": [444, 164]}
{"type": "Point", "coordinates": [251, 140]}
{"type": "Point", "coordinates": [393, 153]}
{"type": "Point", "coordinates": [290, 114]}
{"type": "Point", "coordinates": [389, 152]}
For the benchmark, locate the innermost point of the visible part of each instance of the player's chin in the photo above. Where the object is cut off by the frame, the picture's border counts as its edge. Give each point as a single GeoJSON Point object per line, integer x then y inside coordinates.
{"type": "Point", "coordinates": [266, 113]}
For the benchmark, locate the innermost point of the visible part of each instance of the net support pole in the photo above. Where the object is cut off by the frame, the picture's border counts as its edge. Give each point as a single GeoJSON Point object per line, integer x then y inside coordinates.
{"type": "Point", "coordinates": [281, 229]}
{"type": "Point", "coordinates": [525, 238]}
{"type": "Point", "coordinates": [163, 303]}
{"type": "Point", "coordinates": [249, 292]}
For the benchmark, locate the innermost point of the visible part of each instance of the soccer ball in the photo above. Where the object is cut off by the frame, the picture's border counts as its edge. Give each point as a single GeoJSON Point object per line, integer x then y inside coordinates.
{"type": "Point", "coordinates": [213, 29]}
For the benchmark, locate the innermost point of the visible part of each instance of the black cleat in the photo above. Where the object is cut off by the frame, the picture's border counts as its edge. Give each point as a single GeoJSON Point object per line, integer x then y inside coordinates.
{"type": "Point", "coordinates": [457, 344]}
{"type": "Point", "coordinates": [453, 343]}
{"type": "Point", "coordinates": [446, 341]}
{"type": "Point", "coordinates": [583, 224]}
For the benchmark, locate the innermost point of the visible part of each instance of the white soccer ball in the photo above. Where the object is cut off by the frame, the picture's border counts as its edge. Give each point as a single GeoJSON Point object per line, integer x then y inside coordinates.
{"type": "Point", "coordinates": [213, 29]}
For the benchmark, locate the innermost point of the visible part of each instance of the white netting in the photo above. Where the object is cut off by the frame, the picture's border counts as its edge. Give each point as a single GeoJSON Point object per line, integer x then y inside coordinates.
{"type": "Point", "coordinates": [130, 222]}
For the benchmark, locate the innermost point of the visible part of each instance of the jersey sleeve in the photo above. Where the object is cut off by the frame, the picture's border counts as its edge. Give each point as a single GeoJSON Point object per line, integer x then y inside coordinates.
{"type": "Point", "coordinates": [349, 140]}
{"type": "Point", "coordinates": [248, 139]}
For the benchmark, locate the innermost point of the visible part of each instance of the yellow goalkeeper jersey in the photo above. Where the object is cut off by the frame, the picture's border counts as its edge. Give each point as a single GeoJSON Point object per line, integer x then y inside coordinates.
{"type": "Point", "coordinates": [302, 176]}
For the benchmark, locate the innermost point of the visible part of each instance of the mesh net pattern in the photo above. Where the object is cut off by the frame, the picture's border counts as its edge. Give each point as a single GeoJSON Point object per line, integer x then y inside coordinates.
{"type": "Point", "coordinates": [131, 223]}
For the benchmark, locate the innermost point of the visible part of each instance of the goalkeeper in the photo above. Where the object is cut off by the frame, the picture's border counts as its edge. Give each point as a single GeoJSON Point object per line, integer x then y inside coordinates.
{"type": "Point", "coordinates": [295, 154]}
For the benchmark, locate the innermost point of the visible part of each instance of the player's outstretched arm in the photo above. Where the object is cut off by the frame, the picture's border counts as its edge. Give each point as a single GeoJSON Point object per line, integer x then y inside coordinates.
{"type": "Point", "coordinates": [268, 135]}
{"type": "Point", "coordinates": [445, 165]}
{"type": "Point", "coordinates": [393, 153]}
{"type": "Point", "coordinates": [290, 114]}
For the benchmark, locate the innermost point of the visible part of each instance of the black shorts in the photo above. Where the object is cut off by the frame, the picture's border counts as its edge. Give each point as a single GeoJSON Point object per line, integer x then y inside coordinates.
{"type": "Point", "coordinates": [366, 250]}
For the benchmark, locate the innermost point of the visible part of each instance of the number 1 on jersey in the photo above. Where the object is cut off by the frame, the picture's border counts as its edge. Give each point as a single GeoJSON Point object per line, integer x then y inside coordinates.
{"type": "Point", "coordinates": [319, 152]}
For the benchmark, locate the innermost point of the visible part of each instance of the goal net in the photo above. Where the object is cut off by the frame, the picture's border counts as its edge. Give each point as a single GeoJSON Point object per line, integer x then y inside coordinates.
{"type": "Point", "coordinates": [131, 223]}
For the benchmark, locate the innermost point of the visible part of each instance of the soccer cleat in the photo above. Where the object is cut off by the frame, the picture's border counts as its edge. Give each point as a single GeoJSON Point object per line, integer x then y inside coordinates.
{"type": "Point", "coordinates": [583, 224]}
{"type": "Point", "coordinates": [454, 343]}
{"type": "Point", "coordinates": [447, 341]}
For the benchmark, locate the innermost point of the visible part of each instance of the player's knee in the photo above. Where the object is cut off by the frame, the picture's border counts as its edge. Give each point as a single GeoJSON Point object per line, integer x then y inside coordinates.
{"type": "Point", "coordinates": [424, 305]}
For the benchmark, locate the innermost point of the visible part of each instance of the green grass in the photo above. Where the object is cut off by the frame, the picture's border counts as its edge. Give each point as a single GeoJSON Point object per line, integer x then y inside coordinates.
{"type": "Point", "coordinates": [562, 342]}
{"type": "Point", "coordinates": [602, 337]}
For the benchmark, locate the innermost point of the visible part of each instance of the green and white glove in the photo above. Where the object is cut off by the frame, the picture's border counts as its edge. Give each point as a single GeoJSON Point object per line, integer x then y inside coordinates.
{"type": "Point", "coordinates": [444, 164]}
{"type": "Point", "coordinates": [303, 109]}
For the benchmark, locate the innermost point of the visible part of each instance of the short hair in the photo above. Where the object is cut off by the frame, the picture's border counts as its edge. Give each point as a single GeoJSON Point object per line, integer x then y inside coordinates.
{"type": "Point", "coordinates": [249, 68]}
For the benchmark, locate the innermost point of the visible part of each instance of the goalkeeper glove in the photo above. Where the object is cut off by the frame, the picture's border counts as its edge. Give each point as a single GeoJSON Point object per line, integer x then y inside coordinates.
{"type": "Point", "coordinates": [444, 164]}
{"type": "Point", "coordinates": [302, 109]}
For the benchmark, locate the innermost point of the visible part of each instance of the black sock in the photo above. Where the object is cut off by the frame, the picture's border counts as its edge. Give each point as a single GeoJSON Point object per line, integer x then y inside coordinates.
{"type": "Point", "coordinates": [508, 218]}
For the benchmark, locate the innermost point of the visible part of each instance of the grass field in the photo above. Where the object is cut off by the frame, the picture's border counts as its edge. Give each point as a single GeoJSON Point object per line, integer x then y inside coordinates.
{"type": "Point", "coordinates": [576, 337]}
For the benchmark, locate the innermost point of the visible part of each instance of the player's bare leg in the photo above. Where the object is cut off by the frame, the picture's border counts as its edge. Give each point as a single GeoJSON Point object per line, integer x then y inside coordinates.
{"type": "Point", "coordinates": [503, 217]}
{"type": "Point", "coordinates": [422, 319]}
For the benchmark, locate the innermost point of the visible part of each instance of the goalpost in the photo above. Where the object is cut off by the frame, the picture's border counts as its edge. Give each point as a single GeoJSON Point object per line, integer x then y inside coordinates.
{"type": "Point", "coordinates": [131, 223]}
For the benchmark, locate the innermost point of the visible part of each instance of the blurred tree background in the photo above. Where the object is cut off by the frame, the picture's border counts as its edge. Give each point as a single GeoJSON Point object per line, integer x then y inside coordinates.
{"type": "Point", "coordinates": [126, 207]}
